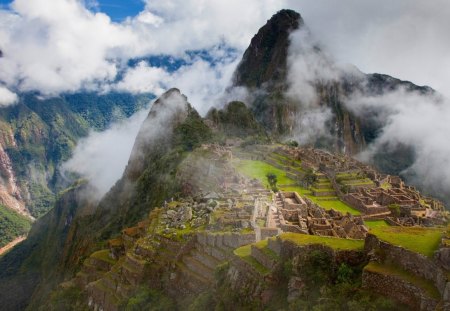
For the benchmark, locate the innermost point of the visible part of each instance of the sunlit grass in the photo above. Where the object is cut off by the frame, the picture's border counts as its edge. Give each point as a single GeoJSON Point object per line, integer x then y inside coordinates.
{"type": "Point", "coordinates": [244, 252]}
{"type": "Point", "coordinates": [417, 239]}
{"type": "Point", "coordinates": [335, 204]}
{"type": "Point", "coordinates": [335, 243]}
{"type": "Point", "coordinates": [376, 224]}
{"type": "Point", "coordinates": [259, 170]}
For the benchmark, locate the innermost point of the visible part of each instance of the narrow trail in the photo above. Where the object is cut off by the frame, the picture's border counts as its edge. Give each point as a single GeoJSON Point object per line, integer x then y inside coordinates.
{"type": "Point", "coordinates": [11, 244]}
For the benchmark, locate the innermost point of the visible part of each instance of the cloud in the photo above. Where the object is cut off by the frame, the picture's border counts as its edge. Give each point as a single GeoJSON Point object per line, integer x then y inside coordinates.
{"type": "Point", "coordinates": [308, 67]}
{"type": "Point", "coordinates": [7, 97]}
{"type": "Point", "coordinates": [204, 83]}
{"type": "Point", "coordinates": [405, 38]}
{"type": "Point", "coordinates": [55, 46]}
{"type": "Point", "coordinates": [102, 156]}
{"type": "Point", "coordinates": [416, 120]}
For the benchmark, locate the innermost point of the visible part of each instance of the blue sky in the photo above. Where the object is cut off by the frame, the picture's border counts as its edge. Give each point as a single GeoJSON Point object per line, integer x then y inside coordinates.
{"type": "Point", "coordinates": [120, 9]}
{"type": "Point", "coordinates": [116, 9]}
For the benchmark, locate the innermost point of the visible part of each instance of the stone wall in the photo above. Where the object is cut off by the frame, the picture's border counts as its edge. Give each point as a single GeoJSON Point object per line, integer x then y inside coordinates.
{"type": "Point", "coordinates": [230, 239]}
{"type": "Point", "coordinates": [269, 232]}
{"type": "Point", "coordinates": [412, 262]}
{"type": "Point", "coordinates": [398, 289]}
{"type": "Point", "coordinates": [262, 258]}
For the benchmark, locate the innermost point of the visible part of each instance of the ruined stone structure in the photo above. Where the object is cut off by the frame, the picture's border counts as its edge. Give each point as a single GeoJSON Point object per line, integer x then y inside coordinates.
{"type": "Point", "coordinates": [301, 215]}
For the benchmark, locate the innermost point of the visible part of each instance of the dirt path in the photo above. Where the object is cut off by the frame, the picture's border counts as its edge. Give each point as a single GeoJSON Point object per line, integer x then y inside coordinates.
{"type": "Point", "coordinates": [11, 244]}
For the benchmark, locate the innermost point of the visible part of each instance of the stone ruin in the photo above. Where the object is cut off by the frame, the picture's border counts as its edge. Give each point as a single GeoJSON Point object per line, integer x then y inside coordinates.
{"type": "Point", "coordinates": [301, 215]}
{"type": "Point", "coordinates": [373, 200]}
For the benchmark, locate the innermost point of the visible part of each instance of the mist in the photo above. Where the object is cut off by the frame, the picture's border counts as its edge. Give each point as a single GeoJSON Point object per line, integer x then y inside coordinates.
{"type": "Point", "coordinates": [102, 156]}
{"type": "Point", "coordinates": [420, 121]}
{"type": "Point", "coordinates": [308, 66]}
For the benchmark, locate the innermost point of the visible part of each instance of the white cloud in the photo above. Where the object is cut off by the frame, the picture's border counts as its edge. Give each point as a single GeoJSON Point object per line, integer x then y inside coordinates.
{"type": "Point", "coordinates": [102, 156]}
{"type": "Point", "coordinates": [7, 97]}
{"type": "Point", "coordinates": [416, 120]}
{"type": "Point", "coordinates": [202, 82]}
{"type": "Point", "coordinates": [144, 78]}
{"type": "Point", "coordinates": [57, 46]}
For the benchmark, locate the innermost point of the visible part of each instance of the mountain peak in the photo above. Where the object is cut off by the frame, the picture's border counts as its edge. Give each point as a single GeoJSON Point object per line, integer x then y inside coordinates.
{"type": "Point", "coordinates": [265, 58]}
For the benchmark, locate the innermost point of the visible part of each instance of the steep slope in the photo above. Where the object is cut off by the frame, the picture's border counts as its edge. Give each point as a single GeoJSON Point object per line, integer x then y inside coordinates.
{"type": "Point", "coordinates": [61, 239]}
{"type": "Point", "coordinates": [300, 93]}
{"type": "Point", "coordinates": [268, 69]}
{"type": "Point", "coordinates": [37, 135]}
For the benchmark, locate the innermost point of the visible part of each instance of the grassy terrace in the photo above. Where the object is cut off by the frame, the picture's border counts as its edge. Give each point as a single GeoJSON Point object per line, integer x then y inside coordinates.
{"type": "Point", "coordinates": [285, 158]}
{"type": "Point", "coordinates": [325, 202]}
{"type": "Point", "coordinates": [357, 182]}
{"type": "Point", "coordinates": [386, 269]}
{"type": "Point", "coordinates": [103, 255]}
{"type": "Point", "coordinates": [245, 253]}
{"type": "Point", "coordinates": [374, 224]}
{"type": "Point", "coordinates": [259, 170]}
{"type": "Point", "coordinates": [335, 243]}
{"type": "Point", "coordinates": [417, 239]}
{"type": "Point", "coordinates": [262, 246]}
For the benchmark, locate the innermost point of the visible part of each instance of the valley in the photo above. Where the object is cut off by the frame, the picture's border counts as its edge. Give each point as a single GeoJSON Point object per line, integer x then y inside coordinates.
{"type": "Point", "coordinates": [261, 203]}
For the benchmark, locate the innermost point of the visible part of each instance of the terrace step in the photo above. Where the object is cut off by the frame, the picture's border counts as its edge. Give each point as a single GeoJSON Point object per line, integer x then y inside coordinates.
{"type": "Point", "coordinates": [196, 267]}
{"type": "Point", "coordinates": [206, 259]}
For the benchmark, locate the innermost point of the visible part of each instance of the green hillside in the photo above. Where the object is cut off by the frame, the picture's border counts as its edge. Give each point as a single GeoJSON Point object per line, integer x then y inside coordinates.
{"type": "Point", "coordinates": [12, 225]}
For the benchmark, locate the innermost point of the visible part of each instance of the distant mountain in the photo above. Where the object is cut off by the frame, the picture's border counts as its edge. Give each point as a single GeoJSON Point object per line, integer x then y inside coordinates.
{"type": "Point", "coordinates": [264, 71]}
{"type": "Point", "coordinates": [37, 135]}
{"type": "Point", "coordinates": [59, 241]}
{"type": "Point", "coordinates": [164, 166]}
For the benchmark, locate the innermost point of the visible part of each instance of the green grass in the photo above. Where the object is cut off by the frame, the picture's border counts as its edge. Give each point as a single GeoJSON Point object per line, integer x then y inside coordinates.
{"type": "Point", "coordinates": [405, 275]}
{"type": "Point", "coordinates": [12, 225]}
{"type": "Point", "coordinates": [357, 182]}
{"type": "Point", "coordinates": [335, 243]}
{"type": "Point", "coordinates": [386, 185]}
{"type": "Point", "coordinates": [417, 239]}
{"type": "Point", "coordinates": [285, 158]}
{"type": "Point", "coordinates": [259, 170]}
{"type": "Point", "coordinates": [376, 224]}
{"type": "Point", "coordinates": [103, 255]}
{"type": "Point", "coordinates": [245, 253]}
{"type": "Point", "coordinates": [263, 246]}
{"type": "Point", "coordinates": [322, 189]}
{"type": "Point", "coordinates": [337, 204]}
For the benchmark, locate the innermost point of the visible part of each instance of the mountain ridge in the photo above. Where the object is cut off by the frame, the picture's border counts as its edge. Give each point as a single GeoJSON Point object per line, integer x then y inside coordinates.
{"type": "Point", "coordinates": [176, 170]}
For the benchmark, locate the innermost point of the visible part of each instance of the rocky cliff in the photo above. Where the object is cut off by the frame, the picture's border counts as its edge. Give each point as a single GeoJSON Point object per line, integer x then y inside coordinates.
{"type": "Point", "coordinates": [268, 69]}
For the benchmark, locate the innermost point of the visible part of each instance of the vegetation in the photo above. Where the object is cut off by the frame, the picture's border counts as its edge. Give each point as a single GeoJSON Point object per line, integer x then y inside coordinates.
{"type": "Point", "coordinates": [66, 298]}
{"type": "Point", "coordinates": [260, 169]}
{"type": "Point", "coordinates": [244, 252]}
{"type": "Point", "coordinates": [335, 243]}
{"type": "Point", "coordinates": [12, 225]}
{"type": "Point", "coordinates": [405, 275]}
{"type": "Point", "coordinates": [310, 177]}
{"type": "Point", "coordinates": [235, 120]}
{"type": "Point", "coordinates": [104, 256]}
{"type": "Point", "coordinates": [324, 202]}
{"type": "Point", "coordinates": [376, 224]}
{"type": "Point", "coordinates": [417, 239]}
{"type": "Point", "coordinates": [149, 299]}
{"type": "Point", "coordinates": [272, 180]}
{"type": "Point", "coordinates": [395, 209]}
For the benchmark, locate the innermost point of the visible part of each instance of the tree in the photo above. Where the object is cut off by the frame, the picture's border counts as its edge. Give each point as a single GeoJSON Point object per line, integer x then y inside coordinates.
{"type": "Point", "coordinates": [272, 179]}
{"type": "Point", "coordinates": [310, 177]}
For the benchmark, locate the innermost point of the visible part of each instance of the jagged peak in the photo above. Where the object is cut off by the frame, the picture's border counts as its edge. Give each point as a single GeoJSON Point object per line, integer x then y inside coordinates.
{"type": "Point", "coordinates": [265, 58]}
